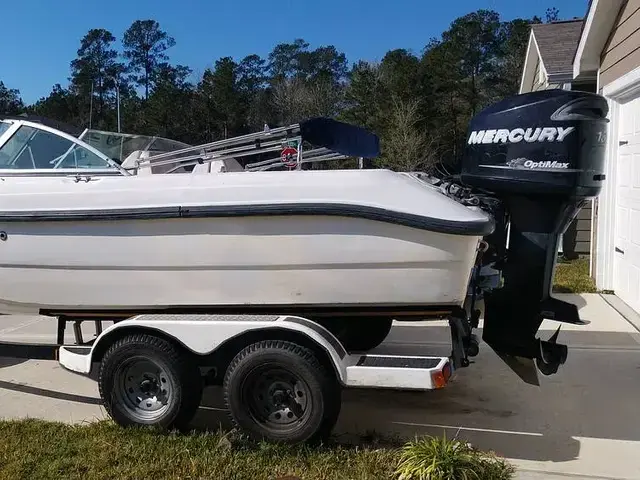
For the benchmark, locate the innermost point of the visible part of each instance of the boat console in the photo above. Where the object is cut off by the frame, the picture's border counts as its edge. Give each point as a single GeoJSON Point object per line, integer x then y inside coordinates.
{"type": "Point", "coordinates": [541, 156]}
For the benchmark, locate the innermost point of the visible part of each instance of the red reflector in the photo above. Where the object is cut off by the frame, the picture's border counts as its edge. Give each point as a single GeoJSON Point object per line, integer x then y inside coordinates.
{"type": "Point", "coordinates": [438, 380]}
{"type": "Point", "coordinates": [441, 378]}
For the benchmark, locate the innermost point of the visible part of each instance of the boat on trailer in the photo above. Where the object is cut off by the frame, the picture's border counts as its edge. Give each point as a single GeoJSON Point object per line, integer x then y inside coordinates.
{"type": "Point", "coordinates": [81, 235]}
{"type": "Point", "coordinates": [293, 276]}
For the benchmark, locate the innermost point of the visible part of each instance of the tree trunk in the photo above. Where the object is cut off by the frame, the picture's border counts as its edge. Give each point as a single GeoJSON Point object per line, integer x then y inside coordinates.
{"type": "Point", "coordinates": [146, 84]}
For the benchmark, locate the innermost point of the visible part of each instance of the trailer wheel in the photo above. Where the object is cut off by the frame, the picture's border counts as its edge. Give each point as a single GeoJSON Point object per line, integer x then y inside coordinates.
{"type": "Point", "coordinates": [358, 334]}
{"type": "Point", "coordinates": [279, 391]}
{"type": "Point", "coordinates": [145, 380]}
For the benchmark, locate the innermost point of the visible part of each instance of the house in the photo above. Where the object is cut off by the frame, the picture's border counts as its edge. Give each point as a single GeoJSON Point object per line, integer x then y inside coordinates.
{"type": "Point", "coordinates": [607, 59]}
{"type": "Point", "coordinates": [549, 64]}
{"type": "Point", "coordinates": [610, 48]}
{"type": "Point", "coordinates": [550, 54]}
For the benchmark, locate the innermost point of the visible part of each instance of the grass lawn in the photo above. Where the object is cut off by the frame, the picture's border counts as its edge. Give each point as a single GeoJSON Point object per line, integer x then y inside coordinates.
{"type": "Point", "coordinates": [36, 449]}
{"type": "Point", "coordinates": [573, 277]}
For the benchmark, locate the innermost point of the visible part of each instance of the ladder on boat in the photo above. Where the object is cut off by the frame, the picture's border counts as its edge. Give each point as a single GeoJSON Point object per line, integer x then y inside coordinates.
{"type": "Point", "coordinates": [322, 139]}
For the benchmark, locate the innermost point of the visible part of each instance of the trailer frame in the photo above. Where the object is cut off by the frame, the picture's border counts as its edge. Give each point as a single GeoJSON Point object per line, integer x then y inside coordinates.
{"type": "Point", "coordinates": [217, 345]}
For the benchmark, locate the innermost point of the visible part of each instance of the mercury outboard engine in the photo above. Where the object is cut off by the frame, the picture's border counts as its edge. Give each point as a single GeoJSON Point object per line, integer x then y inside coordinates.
{"type": "Point", "coordinates": [542, 155]}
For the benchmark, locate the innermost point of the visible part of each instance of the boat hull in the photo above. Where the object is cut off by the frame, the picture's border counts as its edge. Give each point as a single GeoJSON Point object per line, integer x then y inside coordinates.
{"type": "Point", "coordinates": [125, 267]}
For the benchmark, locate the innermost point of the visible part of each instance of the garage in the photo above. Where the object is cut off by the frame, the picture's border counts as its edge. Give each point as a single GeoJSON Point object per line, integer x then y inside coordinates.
{"type": "Point", "coordinates": [609, 53]}
{"type": "Point", "coordinates": [626, 258]}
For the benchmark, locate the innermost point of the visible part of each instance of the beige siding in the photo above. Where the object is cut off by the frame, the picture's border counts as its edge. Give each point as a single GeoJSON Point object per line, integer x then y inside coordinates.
{"type": "Point", "coordinates": [585, 213]}
{"type": "Point", "coordinates": [628, 10]}
{"type": "Point", "coordinates": [583, 234]}
{"type": "Point", "coordinates": [584, 224]}
{"type": "Point", "coordinates": [535, 85]}
{"type": "Point", "coordinates": [621, 53]}
{"type": "Point", "coordinates": [583, 231]}
{"type": "Point", "coordinates": [583, 248]}
{"type": "Point", "coordinates": [584, 237]}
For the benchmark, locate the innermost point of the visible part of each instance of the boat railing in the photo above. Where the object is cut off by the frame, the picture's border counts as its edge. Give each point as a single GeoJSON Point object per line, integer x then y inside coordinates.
{"type": "Point", "coordinates": [310, 156]}
{"type": "Point", "coordinates": [324, 139]}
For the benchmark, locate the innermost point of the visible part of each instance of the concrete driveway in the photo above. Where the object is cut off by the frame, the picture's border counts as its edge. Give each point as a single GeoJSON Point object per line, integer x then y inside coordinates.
{"type": "Point", "coordinates": [583, 422]}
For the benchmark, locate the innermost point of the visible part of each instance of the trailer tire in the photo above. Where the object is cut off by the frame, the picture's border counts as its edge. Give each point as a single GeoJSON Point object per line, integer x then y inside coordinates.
{"type": "Point", "coordinates": [279, 391]}
{"type": "Point", "coordinates": [142, 365]}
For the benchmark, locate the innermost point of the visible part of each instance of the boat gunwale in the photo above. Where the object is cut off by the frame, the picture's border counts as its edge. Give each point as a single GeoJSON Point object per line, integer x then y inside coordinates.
{"type": "Point", "coordinates": [409, 312]}
{"type": "Point", "coordinates": [438, 225]}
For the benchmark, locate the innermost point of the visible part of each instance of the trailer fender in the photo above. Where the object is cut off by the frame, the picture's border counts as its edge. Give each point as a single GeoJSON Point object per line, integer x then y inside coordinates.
{"type": "Point", "coordinates": [203, 335]}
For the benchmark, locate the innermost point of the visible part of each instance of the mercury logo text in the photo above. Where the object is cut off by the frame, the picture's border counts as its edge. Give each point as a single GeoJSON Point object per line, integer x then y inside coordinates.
{"type": "Point", "coordinates": [530, 135]}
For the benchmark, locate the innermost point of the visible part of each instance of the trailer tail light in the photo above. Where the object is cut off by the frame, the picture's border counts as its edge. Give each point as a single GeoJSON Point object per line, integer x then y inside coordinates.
{"type": "Point", "coordinates": [441, 378]}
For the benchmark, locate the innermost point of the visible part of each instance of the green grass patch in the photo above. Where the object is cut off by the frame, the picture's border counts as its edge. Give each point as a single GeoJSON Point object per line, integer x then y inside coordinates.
{"type": "Point", "coordinates": [37, 449]}
{"type": "Point", "coordinates": [442, 459]}
{"type": "Point", "coordinates": [572, 276]}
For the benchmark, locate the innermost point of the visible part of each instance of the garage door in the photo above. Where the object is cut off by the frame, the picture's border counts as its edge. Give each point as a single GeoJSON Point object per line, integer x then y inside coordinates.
{"type": "Point", "coordinates": [626, 268]}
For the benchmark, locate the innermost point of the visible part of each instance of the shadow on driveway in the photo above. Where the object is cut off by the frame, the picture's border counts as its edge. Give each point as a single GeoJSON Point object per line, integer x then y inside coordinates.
{"type": "Point", "coordinates": [594, 395]}
{"type": "Point", "coordinates": [48, 393]}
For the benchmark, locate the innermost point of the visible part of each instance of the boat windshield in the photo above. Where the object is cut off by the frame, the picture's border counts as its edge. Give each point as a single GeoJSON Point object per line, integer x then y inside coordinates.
{"type": "Point", "coordinates": [4, 126]}
{"type": "Point", "coordinates": [31, 147]}
{"type": "Point", "coordinates": [119, 146]}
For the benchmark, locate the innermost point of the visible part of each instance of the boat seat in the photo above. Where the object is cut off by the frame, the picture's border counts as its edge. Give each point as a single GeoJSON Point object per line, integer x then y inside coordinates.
{"type": "Point", "coordinates": [218, 166]}
{"type": "Point", "coordinates": [132, 159]}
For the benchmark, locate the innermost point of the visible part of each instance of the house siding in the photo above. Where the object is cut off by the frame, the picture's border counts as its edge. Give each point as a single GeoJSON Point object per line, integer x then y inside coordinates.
{"type": "Point", "coordinates": [621, 53]}
{"type": "Point", "coordinates": [536, 84]}
{"type": "Point", "coordinates": [557, 44]}
{"type": "Point", "coordinates": [583, 228]}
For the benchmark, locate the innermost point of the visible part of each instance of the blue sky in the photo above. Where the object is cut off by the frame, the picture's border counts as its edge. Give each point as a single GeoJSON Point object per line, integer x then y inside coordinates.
{"type": "Point", "coordinates": [41, 37]}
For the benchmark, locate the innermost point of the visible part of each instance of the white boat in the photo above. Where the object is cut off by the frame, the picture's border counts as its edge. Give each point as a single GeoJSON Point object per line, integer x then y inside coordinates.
{"type": "Point", "coordinates": [317, 238]}
{"type": "Point", "coordinates": [105, 244]}
{"type": "Point", "coordinates": [82, 234]}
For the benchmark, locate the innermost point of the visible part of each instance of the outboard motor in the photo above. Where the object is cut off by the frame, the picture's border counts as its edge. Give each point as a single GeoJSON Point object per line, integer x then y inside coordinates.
{"type": "Point", "coordinates": [542, 155]}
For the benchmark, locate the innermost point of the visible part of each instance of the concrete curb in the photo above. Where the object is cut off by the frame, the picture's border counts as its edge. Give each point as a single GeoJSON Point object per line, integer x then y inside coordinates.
{"type": "Point", "coordinates": [632, 317]}
{"type": "Point", "coordinates": [531, 475]}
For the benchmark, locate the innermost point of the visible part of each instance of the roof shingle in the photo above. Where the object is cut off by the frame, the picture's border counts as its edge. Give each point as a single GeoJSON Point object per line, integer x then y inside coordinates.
{"type": "Point", "coordinates": [558, 42]}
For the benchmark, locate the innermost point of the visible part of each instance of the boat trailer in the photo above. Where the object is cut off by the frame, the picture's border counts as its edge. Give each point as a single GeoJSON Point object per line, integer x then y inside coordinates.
{"type": "Point", "coordinates": [282, 375]}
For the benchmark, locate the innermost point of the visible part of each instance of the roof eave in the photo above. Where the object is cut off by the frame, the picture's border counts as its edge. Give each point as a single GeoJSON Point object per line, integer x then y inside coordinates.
{"type": "Point", "coordinates": [599, 21]}
{"type": "Point", "coordinates": [533, 52]}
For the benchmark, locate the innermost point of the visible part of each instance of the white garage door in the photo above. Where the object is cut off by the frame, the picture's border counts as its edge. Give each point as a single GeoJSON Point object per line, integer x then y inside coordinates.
{"type": "Point", "coordinates": [626, 268]}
